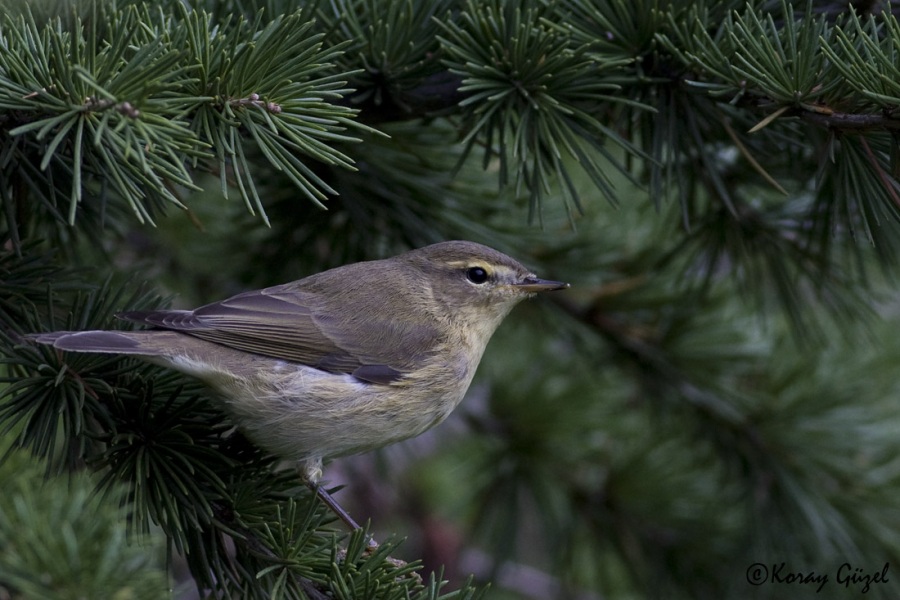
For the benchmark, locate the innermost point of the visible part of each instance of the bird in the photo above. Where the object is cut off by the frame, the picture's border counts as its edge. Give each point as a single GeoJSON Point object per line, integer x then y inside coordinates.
{"type": "Point", "coordinates": [341, 362]}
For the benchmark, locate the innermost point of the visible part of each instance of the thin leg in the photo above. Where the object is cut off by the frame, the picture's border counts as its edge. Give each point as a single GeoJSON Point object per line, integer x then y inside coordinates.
{"type": "Point", "coordinates": [337, 509]}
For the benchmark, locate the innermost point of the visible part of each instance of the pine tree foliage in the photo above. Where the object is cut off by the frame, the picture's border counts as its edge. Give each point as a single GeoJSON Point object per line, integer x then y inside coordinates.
{"type": "Point", "coordinates": [719, 181]}
{"type": "Point", "coordinates": [76, 539]}
{"type": "Point", "coordinates": [525, 92]}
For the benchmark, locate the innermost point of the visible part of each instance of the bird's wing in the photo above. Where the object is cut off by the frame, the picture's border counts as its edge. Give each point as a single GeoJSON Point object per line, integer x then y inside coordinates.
{"type": "Point", "coordinates": [293, 324]}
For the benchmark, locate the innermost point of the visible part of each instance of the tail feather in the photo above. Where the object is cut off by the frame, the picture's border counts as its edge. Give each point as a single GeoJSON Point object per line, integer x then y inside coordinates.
{"type": "Point", "coordinates": [182, 352]}
{"type": "Point", "coordinates": [116, 342]}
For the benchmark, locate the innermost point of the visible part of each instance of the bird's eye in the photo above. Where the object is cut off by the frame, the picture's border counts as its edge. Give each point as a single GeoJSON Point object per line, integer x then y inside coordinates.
{"type": "Point", "coordinates": [477, 275]}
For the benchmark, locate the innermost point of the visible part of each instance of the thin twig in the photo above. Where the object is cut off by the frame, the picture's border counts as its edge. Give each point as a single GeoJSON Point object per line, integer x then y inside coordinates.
{"type": "Point", "coordinates": [850, 121]}
{"type": "Point", "coordinates": [750, 158]}
{"type": "Point", "coordinates": [884, 177]}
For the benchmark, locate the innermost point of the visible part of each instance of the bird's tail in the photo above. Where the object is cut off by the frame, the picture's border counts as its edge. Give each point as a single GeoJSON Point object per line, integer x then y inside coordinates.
{"type": "Point", "coordinates": [182, 352]}
{"type": "Point", "coordinates": [115, 342]}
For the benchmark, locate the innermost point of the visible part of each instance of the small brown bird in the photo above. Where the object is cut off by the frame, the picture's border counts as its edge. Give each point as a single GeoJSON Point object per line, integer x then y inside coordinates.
{"type": "Point", "coordinates": [341, 362]}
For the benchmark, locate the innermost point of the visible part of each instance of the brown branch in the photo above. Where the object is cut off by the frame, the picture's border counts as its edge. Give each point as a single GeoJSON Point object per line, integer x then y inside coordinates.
{"type": "Point", "coordinates": [850, 121]}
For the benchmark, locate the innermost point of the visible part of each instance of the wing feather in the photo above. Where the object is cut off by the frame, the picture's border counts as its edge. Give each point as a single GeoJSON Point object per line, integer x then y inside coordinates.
{"type": "Point", "coordinates": [296, 322]}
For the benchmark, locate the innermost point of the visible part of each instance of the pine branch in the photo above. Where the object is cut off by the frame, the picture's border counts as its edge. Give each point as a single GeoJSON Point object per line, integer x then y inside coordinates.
{"type": "Point", "coordinates": [134, 100]}
{"type": "Point", "coordinates": [395, 43]}
{"type": "Point", "coordinates": [848, 122]}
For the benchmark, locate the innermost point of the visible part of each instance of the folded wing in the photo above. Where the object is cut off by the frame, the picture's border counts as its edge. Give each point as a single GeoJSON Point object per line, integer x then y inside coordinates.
{"type": "Point", "coordinates": [297, 325]}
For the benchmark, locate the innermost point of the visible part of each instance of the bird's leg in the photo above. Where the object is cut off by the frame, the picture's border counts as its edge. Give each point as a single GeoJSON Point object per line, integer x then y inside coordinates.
{"type": "Point", "coordinates": [338, 510]}
{"type": "Point", "coordinates": [312, 471]}
{"type": "Point", "coordinates": [332, 504]}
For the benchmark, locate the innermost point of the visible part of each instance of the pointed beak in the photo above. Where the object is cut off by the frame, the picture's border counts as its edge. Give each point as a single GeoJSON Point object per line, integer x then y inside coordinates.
{"type": "Point", "coordinates": [533, 284]}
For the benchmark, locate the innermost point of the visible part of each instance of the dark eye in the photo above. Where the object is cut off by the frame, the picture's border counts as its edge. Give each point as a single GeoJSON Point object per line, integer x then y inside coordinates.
{"type": "Point", "coordinates": [476, 275]}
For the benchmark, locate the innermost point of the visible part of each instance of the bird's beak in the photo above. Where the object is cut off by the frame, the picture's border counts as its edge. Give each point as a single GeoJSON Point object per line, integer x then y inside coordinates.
{"type": "Point", "coordinates": [533, 284]}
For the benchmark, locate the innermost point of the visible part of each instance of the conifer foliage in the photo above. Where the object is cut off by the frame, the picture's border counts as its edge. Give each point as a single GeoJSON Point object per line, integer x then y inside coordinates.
{"type": "Point", "coordinates": [710, 412]}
